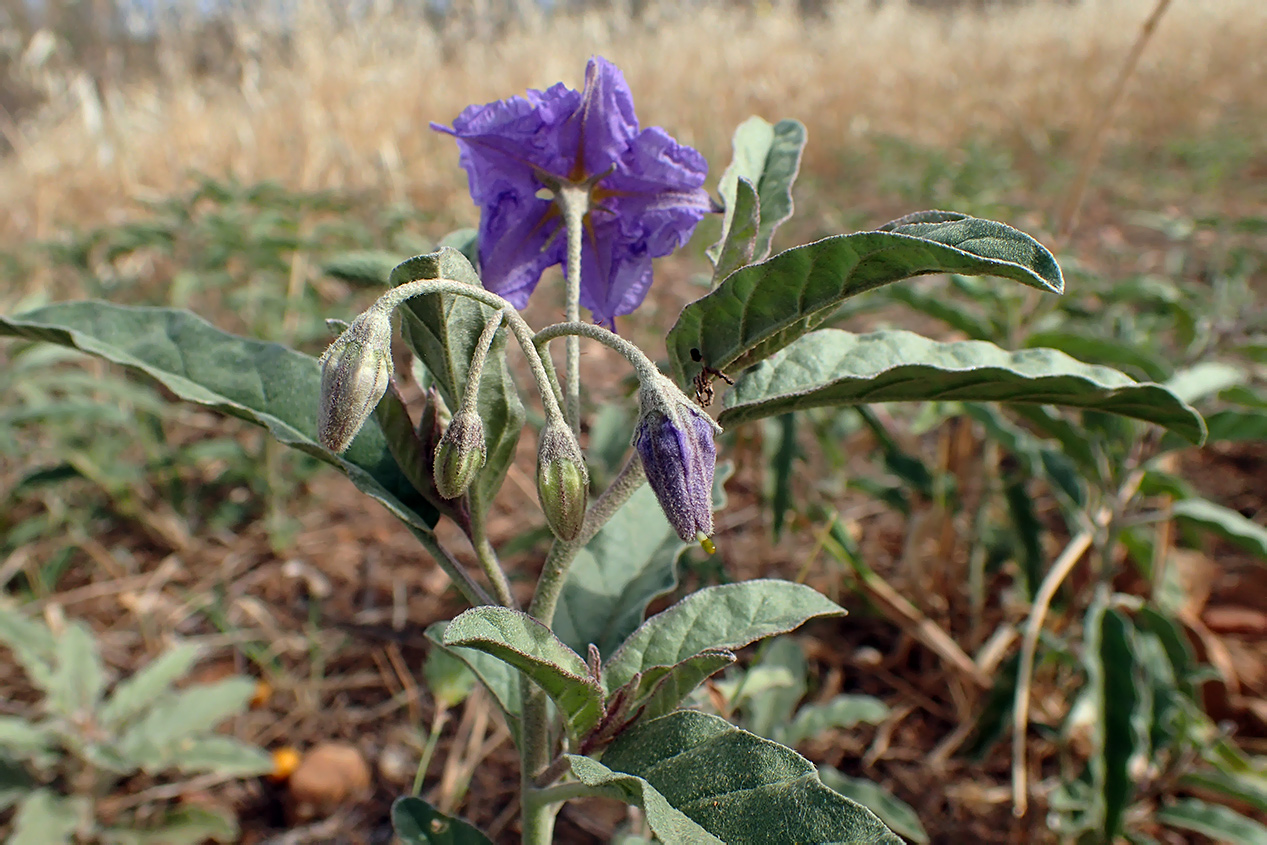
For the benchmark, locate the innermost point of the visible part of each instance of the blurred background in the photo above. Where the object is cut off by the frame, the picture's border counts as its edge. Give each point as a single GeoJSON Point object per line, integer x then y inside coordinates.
{"type": "Point", "coordinates": [229, 157]}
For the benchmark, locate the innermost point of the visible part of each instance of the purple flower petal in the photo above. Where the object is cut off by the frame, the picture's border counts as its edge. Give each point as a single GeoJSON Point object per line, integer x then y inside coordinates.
{"type": "Point", "coordinates": [607, 120]}
{"type": "Point", "coordinates": [519, 238]}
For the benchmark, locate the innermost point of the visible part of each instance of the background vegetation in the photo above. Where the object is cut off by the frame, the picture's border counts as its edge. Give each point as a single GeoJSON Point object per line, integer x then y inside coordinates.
{"type": "Point", "coordinates": [230, 165]}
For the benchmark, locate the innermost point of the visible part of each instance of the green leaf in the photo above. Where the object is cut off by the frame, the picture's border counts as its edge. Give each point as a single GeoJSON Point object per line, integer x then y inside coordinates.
{"type": "Point", "coordinates": [768, 158]}
{"type": "Point", "coordinates": [48, 819]}
{"type": "Point", "coordinates": [662, 688]}
{"type": "Point", "coordinates": [935, 304]}
{"type": "Point", "coordinates": [738, 786]}
{"type": "Point", "coordinates": [1220, 823]}
{"type": "Point", "coordinates": [498, 677]}
{"type": "Point", "coordinates": [1205, 379]}
{"type": "Point", "coordinates": [189, 824]}
{"type": "Point", "coordinates": [728, 617]}
{"type": "Point", "coordinates": [670, 825]}
{"type": "Point", "coordinates": [768, 711]}
{"type": "Point", "coordinates": [1104, 350]}
{"type": "Point", "coordinates": [761, 308]}
{"type": "Point", "coordinates": [834, 367]}
{"type": "Point", "coordinates": [31, 643]}
{"type": "Point", "coordinates": [24, 739]}
{"type": "Point", "coordinates": [418, 823]}
{"type": "Point", "coordinates": [15, 783]}
{"type": "Point", "coordinates": [526, 644]}
{"type": "Point", "coordinates": [895, 813]}
{"type": "Point", "coordinates": [443, 331]}
{"type": "Point", "coordinates": [842, 711]}
{"type": "Point", "coordinates": [134, 695]}
{"type": "Point", "coordinates": [449, 679]}
{"type": "Point", "coordinates": [221, 755]}
{"type": "Point", "coordinates": [156, 741]}
{"type": "Point", "coordinates": [739, 241]}
{"type": "Point", "coordinates": [1119, 685]}
{"type": "Point", "coordinates": [1248, 790]}
{"type": "Point", "coordinates": [1228, 427]}
{"type": "Point", "coordinates": [1224, 522]}
{"type": "Point", "coordinates": [263, 383]}
{"type": "Point", "coordinates": [78, 676]}
{"type": "Point", "coordinates": [627, 564]}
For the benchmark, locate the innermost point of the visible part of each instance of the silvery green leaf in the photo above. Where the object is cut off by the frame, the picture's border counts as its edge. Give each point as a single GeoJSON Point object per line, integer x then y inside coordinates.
{"type": "Point", "coordinates": [45, 818]}
{"type": "Point", "coordinates": [841, 711]}
{"type": "Point", "coordinates": [137, 693]}
{"type": "Point", "coordinates": [221, 755]}
{"type": "Point", "coordinates": [670, 825]}
{"type": "Point", "coordinates": [78, 676]}
{"type": "Point", "coordinates": [530, 647]}
{"type": "Point", "coordinates": [768, 157]}
{"type": "Point", "coordinates": [738, 786]}
{"type": "Point", "coordinates": [761, 308]}
{"type": "Point", "coordinates": [832, 367]}
{"type": "Point", "coordinates": [263, 383]}
{"type": "Point", "coordinates": [1224, 522]}
{"type": "Point", "coordinates": [155, 741]}
{"type": "Point", "coordinates": [498, 677]}
{"type": "Point", "coordinates": [894, 812]}
{"type": "Point", "coordinates": [725, 617]}
{"type": "Point", "coordinates": [31, 643]}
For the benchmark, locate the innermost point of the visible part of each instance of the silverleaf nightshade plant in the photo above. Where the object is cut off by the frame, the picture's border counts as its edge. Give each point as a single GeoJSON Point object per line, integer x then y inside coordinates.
{"type": "Point", "coordinates": [569, 177]}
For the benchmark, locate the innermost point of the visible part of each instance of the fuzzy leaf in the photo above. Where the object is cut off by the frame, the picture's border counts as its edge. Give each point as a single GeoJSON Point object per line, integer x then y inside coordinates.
{"type": "Point", "coordinates": [221, 755]}
{"type": "Point", "coordinates": [894, 812]}
{"type": "Point", "coordinates": [768, 157]}
{"type": "Point", "coordinates": [263, 383]}
{"type": "Point", "coordinates": [498, 677]}
{"type": "Point", "coordinates": [156, 740]}
{"type": "Point", "coordinates": [31, 643]}
{"type": "Point", "coordinates": [725, 617]}
{"type": "Point", "coordinates": [669, 824]}
{"type": "Point", "coordinates": [842, 711]}
{"type": "Point", "coordinates": [739, 242]}
{"type": "Point", "coordinates": [443, 331]}
{"type": "Point", "coordinates": [133, 696]}
{"type": "Point", "coordinates": [526, 644]}
{"type": "Point", "coordinates": [762, 308]}
{"type": "Point", "coordinates": [45, 818]}
{"type": "Point", "coordinates": [1225, 522]}
{"type": "Point", "coordinates": [78, 676]}
{"type": "Point", "coordinates": [738, 786]}
{"type": "Point", "coordinates": [833, 367]}
{"type": "Point", "coordinates": [662, 688]}
{"type": "Point", "coordinates": [418, 823]}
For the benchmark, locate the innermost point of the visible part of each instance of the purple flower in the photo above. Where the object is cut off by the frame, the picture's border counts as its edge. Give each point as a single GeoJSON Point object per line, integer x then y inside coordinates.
{"type": "Point", "coordinates": [679, 457]}
{"type": "Point", "coordinates": [646, 192]}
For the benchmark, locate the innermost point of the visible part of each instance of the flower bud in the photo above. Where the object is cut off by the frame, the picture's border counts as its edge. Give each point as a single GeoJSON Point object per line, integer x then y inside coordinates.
{"type": "Point", "coordinates": [460, 454]}
{"type": "Point", "coordinates": [562, 481]}
{"type": "Point", "coordinates": [675, 441]}
{"type": "Point", "coordinates": [355, 372]}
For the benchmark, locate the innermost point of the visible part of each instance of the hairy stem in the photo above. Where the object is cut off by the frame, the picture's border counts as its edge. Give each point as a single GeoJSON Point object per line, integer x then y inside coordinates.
{"type": "Point", "coordinates": [574, 203]}
{"type": "Point", "coordinates": [643, 366]}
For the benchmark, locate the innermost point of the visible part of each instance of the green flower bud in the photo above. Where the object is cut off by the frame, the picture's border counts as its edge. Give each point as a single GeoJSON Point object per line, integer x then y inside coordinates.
{"type": "Point", "coordinates": [562, 481]}
{"type": "Point", "coordinates": [355, 372]}
{"type": "Point", "coordinates": [460, 454]}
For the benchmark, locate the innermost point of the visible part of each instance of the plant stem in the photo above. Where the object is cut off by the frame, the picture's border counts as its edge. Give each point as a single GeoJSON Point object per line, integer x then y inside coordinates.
{"type": "Point", "coordinates": [574, 202]}
{"type": "Point", "coordinates": [461, 579]}
{"type": "Point", "coordinates": [646, 370]}
{"type": "Point", "coordinates": [490, 564]}
{"type": "Point", "coordinates": [534, 754]}
{"type": "Point", "coordinates": [563, 792]}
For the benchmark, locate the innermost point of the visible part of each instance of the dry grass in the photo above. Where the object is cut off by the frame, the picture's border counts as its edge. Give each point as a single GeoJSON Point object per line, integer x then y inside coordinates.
{"type": "Point", "coordinates": [349, 108]}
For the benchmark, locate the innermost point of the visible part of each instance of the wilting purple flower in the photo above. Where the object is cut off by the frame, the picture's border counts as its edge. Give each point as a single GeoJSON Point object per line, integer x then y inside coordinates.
{"type": "Point", "coordinates": [645, 189]}
{"type": "Point", "coordinates": [679, 456]}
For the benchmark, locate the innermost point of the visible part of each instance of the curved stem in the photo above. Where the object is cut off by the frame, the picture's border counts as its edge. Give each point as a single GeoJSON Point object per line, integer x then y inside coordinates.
{"type": "Point", "coordinates": [574, 202]}
{"type": "Point", "coordinates": [643, 365]}
{"type": "Point", "coordinates": [470, 396]}
{"type": "Point", "coordinates": [487, 557]}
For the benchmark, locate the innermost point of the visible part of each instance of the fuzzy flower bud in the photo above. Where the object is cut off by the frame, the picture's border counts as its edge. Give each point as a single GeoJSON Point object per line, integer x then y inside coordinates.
{"type": "Point", "coordinates": [675, 441]}
{"type": "Point", "coordinates": [562, 481]}
{"type": "Point", "coordinates": [460, 454]}
{"type": "Point", "coordinates": [355, 372]}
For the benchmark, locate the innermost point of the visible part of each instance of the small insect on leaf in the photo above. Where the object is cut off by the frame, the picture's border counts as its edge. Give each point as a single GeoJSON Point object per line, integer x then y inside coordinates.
{"type": "Point", "coordinates": [703, 382]}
